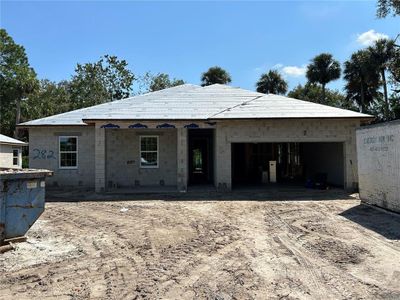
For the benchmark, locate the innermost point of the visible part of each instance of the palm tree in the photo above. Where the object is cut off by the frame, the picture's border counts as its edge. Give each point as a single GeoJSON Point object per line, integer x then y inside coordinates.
{"type": "Point", "coordinates": [362, 79]}
{"type": "Point", "coordinates": [272, 83]}
{"type": "Point", "coordinates": [215, 75]}
{"type": "Point", "coordinates": [382, 53]}
{"type": "Point", "coordinates": [323, 69]}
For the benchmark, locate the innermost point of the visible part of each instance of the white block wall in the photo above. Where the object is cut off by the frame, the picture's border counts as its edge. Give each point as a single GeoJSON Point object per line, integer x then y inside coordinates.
{"type": "Point", "coordinates": [283, 130]}
{"type": "Point", "coordinates": [378, 149]}
{"type": "Point", "coordinates": [111, 156]}
{"type": "Point", "coordinates": [43, 154]}
{"type": "Point", "coordinates": [123, 158]}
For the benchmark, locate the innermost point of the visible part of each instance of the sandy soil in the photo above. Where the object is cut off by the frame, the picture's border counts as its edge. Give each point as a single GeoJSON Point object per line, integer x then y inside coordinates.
{"type": "Point", "coordinates": [153, 249]}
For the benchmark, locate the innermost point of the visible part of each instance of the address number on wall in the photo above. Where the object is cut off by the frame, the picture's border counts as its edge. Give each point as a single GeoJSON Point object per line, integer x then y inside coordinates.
{"type": "Point", "coordinates": [43, 154]}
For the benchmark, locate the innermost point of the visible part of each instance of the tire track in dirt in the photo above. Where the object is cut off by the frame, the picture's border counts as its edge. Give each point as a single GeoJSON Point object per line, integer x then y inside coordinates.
{"type": "Point", "coordinates": [326, 279]}
{"type": "Point", "coordinates": [206, 250]}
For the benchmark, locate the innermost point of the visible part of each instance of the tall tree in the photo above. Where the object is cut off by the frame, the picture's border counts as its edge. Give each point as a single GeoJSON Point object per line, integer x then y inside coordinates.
{"type": "Point", "coordinates": [312, 92]}
{"type": "Point", "coordinates": [17, 80]}
{"type": "Point", "coordinates": [215, 75]}
{"type": "Point", "coordinates": [162, 81]}
{"type": "Point", "coordinates": [362, 79]}
{"type": "Point", "coordinates": [272, 83]}
{"type": "Point", "coordinates": [323, 69]}
{"type": "Point", "coordinates": [50, 98]}
{"type": "Point", "coordinates": [386, 7]}
{"type": "Point", "coordinates": [382, 53]}
{"type": "Point", "coordinates": [105, 80]}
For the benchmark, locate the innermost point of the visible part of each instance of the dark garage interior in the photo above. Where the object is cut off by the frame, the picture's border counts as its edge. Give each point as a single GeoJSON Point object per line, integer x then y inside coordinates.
{"type": "Point", "coordinates": [308, 164]}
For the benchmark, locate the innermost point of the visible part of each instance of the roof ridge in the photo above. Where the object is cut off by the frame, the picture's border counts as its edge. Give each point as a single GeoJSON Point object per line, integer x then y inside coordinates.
{"type": "Point", "coordinates": [232, 107]}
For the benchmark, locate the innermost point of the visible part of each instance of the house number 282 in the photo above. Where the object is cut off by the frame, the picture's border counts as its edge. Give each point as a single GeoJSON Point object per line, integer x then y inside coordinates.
{"type": "Point", "coordinates": [43, 154]}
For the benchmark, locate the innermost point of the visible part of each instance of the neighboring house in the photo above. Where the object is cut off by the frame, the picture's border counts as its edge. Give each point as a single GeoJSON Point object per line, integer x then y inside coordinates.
{"type": "Point", "coordinates": [10, 152]}
{"type": "Point", "coordinates": [188, 135]}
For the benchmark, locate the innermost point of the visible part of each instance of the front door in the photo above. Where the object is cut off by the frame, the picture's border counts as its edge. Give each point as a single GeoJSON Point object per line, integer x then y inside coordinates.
{"type": "Point", "coordinates": [200, 156]}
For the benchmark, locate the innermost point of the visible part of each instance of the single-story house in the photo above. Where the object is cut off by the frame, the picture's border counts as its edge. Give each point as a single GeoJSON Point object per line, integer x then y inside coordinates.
{"type": "Point", "coordinates": [187, 135]}
{"type": "Point", "coordinates": [10, 152]}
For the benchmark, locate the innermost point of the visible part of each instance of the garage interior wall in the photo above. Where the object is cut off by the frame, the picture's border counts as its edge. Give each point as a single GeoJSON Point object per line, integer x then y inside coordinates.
{"type": "Point", "coordinates": [325, 158]}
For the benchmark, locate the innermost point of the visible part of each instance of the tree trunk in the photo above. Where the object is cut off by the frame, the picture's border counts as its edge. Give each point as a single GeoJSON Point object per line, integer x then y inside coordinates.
{"type": "Point", "coordinates": [385, 93]}
{"type": "Point", "coordinates": [17, 116]}
{"type": "Point", "coordinates": [323, 94]}
{"type": "Point", "coordinates": [362, 97]}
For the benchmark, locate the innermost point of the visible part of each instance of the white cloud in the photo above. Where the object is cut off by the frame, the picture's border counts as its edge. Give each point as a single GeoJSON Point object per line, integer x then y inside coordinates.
{"type": "Point", "coordinates": [287, 71]}
{"type": "Point", "coordinates": [369, 37]}
{"type": "Point", "coordinates": [294, 71]}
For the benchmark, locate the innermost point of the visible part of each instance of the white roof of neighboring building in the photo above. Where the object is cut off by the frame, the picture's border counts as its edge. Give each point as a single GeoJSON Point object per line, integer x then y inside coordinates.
{"type": "Point", "coordinates": [8, 140]}
{"type": "Point", "coordinates": [193, 102]}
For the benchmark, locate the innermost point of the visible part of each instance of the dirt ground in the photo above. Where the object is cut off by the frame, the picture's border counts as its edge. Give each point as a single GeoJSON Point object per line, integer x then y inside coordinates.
{"type": "Point", "coordinates": [207, 249]}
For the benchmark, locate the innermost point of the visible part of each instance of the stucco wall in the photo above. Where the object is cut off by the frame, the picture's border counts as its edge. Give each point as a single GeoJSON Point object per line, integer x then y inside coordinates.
{"type": "Point", "coordinates": [6, 156]}
{"type": "Point", "coordinates": [44, 153]}
{"type": "Point", "coordinates": [123, 158]}
{"type": "Point", "coordinates": [281, 130]}
{"type": "Point", "coordinates": [379, 164]}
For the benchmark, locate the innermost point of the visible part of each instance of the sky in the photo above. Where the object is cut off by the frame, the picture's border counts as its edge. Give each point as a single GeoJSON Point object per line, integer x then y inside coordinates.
{"type": "Point", "coordinates": [184, 39]}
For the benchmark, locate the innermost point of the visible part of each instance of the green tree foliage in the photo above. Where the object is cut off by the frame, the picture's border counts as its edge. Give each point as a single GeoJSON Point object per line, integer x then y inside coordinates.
{"type": "Point", "coordinates": [381, 54]}
{"type": "Point", "coordinates": [312, 92]}
{"type": "Point", "coordinates": [215, 75]}
{"type": "Point", "coordinates": [49, 99]}
{"type": "Point", "coordinates": [105, 80]}
{"type": "Point", "coordinates": [323, 69]}
{"type": "Point", "coordinates": [394, 69]}
{"type": "Point", "coordinates": [162, 81]}
{"type": "Point", "coordinates": [272, 83]}
{"type": "Point", "coordinates": [387, 7]}
{"type": "Point", "coordinates": [362, 77]}
{"type": "Point", "coordinates": [17, 80]}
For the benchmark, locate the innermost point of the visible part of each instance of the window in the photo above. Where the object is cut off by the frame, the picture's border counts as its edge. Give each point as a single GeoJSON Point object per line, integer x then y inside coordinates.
{"type": "Point", "coordinates": [68, 146]}
{"type": "Point", "coordinates": [15, 157]}
{"type": "Point", "coordinates": [149, 151]}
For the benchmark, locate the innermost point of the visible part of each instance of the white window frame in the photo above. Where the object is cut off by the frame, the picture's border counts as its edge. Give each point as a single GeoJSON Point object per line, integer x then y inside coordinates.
{"type": "Point", "coordinates": [140, 152]}
{"type": "Point", "coordinates": [59, 152]}
{"type": "Point", "coordinates": [18, 160]}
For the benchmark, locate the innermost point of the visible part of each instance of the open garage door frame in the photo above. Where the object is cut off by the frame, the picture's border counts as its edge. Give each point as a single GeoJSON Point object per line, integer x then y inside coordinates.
{"type": "Point", "coordinates": [297, 163]}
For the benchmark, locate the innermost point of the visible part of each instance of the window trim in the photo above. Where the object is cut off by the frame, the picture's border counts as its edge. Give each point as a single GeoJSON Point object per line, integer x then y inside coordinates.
{"type": "Point", "coordinates": [18, 160]}
{"type": "Point", "coordinates": [140, 152]}
{"type": "Point", "coordinates": [59, 152]}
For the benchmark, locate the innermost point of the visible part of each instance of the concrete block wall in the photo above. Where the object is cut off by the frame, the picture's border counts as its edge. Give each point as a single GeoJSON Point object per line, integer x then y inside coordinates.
{"type": "Point", "coordinates": [284, 130]}
{"type": "Point", "coordinates": [44, 154]}
{"type": "Point", "coordinates": [123, 158]}
{"type": "Point", "coordinates": [182, 159]}
{"type": "Point", "coordinates": [6, 156]}
{"type": "Point", "coordinates": [100, 156]}
{"type": "Point", "coordinates": [378, 149]}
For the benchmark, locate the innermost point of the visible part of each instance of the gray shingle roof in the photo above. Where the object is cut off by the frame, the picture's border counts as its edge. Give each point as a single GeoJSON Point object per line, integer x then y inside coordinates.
{"type": "Point", "coordinates": [189, 101]}
{"type": "Point", "coordinates": [8, 140]}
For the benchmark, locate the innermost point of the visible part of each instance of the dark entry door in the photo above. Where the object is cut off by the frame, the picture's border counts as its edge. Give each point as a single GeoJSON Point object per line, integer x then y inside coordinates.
{"type": "Point", "coordinates": [200, 156]}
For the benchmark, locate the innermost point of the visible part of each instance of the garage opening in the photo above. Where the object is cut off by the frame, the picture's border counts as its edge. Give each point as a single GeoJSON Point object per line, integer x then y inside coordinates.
{"type": "Point", "coordinates": [317, 165]}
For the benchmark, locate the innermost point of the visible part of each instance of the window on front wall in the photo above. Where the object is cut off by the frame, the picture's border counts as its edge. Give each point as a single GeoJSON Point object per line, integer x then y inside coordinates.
{"type": "Point", "coordinates": [68, 157]}
{"type": "Point", "coordinates": [15, 157]}
{"type": "Point", "coordinates": [149, 151]}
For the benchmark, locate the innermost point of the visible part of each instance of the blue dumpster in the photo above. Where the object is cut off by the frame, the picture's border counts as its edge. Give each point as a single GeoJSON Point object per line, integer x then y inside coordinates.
{"type": "Point", "coordinates": [22, 198]}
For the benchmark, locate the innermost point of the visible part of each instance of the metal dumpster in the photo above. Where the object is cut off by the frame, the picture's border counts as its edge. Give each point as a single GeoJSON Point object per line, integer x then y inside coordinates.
{"type": "Point", "coordinates": [22, 198]}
